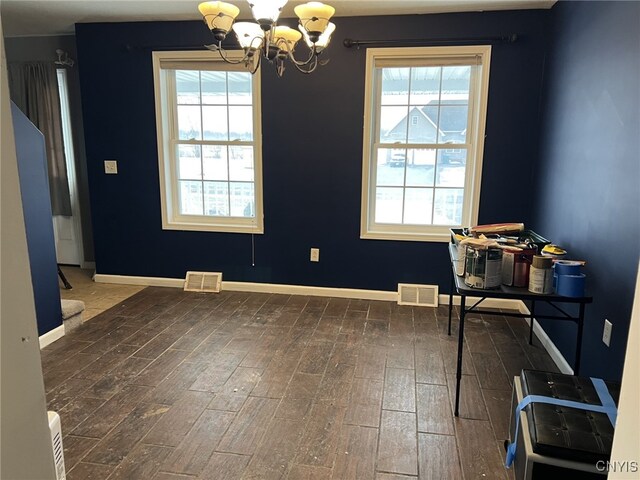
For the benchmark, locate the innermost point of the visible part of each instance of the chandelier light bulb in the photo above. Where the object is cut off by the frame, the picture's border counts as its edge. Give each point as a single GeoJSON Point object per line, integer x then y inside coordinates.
{"type": "Point", "coordinates": [266, 12]}
{"type": "Point", "coordinates": [219, 17]}
{"type": "Point", "coordinates": [314, 18]}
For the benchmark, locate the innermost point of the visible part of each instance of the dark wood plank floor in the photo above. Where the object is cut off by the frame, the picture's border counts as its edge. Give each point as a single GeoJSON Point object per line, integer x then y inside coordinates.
{"type": "Point", "coordinates": [174, 385]}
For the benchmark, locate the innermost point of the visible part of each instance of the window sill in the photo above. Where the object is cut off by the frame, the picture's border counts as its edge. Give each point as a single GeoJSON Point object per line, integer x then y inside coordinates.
{"type": "Point", "coordinates": [207, 227]}
{"type": "Point", "coordinates": [407, 237]}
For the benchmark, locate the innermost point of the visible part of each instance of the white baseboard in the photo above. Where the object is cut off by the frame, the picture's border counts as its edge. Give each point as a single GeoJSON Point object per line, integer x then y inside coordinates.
{"type": "Point", "coordinates": [312, 291]}
{"type": "Point", "coordinates": [131, 280]}
{"type": "Point", "coordinates": [256, 287]}
{"type": "Point", "coordinates": [51, 336]}
{"type": "Point", "coordinates": [547, 343]}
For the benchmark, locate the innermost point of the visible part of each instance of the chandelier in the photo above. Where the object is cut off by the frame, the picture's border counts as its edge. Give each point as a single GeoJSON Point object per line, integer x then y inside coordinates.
{"type": "Point", "coordinates": [265, 39]}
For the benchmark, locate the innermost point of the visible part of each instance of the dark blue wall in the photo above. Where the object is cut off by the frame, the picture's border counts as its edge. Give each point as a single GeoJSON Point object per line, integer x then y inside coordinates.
{"type": "Point", "coordinates": [587, 189]}
{"type": "Point", "coordinates": [34, 189]}
{"type": "Point", "coordinates": [312, 155]}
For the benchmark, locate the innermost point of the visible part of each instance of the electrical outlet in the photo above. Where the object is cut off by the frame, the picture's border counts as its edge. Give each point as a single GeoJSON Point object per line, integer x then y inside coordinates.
{"type": "Point", "coordinates": [315, 255]}
{"type": "Point", "coordinates": [111, 167]}
{"type": "Point", "coordinates": [606, 333]}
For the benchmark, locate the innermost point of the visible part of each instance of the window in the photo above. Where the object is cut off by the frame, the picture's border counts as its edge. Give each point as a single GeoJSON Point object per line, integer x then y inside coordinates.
{"type": "Point", "coordinates": [209, 143]}
{"type": "Point", "coordinates": [422, 177]}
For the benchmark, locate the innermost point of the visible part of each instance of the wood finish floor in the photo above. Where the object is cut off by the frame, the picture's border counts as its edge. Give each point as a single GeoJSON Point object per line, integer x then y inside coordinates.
{"type": "Point", "coordinates": [169, 385]}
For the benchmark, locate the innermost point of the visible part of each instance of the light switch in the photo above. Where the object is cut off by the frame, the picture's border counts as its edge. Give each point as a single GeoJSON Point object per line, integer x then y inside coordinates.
{"type": "Point", "coordinates": [111, 167]}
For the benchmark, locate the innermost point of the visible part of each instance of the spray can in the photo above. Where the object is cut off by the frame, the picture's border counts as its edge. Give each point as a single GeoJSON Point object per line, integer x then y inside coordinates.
{"type": "Point", "coordinates": [541, 275]}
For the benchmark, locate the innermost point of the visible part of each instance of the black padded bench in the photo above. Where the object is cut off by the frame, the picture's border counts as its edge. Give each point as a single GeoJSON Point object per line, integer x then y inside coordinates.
{"type": "Point", "coordinates": [557, 440]}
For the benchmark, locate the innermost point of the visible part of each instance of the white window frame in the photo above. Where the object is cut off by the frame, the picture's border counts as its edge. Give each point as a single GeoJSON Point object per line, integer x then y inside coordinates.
{"type": "Point", "coordinates": [164, 89]}
{"type": "Point", "coordinates": [414, 56]}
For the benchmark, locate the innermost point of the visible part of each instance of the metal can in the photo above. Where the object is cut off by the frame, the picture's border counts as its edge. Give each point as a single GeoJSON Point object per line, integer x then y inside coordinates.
{"type": "Point", "coordinates": [541, 276]}
{"type": "Point", "coordinates": [483, 267]}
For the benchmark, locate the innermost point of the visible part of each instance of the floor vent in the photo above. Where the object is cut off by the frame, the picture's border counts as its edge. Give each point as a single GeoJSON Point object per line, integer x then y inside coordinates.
{"type": "Point", "coordinates": [203, 282]}
{"type": "Point", "coordinates": [56, 444]}
{"type": "Point", "coordinates": [420, 295]}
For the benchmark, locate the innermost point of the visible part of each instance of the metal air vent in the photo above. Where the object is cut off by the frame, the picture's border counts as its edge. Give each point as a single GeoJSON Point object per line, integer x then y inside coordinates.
{"type": "Point", "coordinates": [203, 282]}
{"type": "Point", "coordinates": [420, 295]}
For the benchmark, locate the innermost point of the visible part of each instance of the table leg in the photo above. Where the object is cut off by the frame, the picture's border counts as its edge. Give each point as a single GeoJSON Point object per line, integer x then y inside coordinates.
{"type": "Point", "coordinates": [460, 350]}
{"type": "Point", "coordinates": [579, 345]}
{"type": "Point", "coordinates": [451, 288]}
{"type": "Point", "coordinates": [532, 317]}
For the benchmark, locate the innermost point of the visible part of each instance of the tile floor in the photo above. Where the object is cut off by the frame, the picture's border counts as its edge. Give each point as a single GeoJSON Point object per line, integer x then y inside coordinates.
{"type": "Point", "coordinates": [171, 385]}
{"type": "Point", "coordinates": [97, 297]}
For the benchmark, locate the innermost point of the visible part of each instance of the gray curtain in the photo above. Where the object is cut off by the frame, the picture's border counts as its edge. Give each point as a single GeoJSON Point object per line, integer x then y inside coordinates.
{"type": "Point", "coordinates": [34, 89]}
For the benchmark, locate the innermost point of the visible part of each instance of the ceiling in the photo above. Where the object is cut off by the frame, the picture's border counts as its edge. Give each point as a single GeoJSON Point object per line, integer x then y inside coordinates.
{"type": "Point", "coordinates": [54, 17]}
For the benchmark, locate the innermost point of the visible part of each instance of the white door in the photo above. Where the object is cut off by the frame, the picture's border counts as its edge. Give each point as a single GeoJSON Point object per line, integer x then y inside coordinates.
{"type": "Point", "coordinates": [67, 230]}
{"type": "Point", "coordinates": [66, 244]}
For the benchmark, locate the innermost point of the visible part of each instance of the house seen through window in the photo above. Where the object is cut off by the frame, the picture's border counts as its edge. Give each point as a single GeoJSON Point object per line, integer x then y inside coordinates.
{"type": "Point", "coordinates": [421, 176]}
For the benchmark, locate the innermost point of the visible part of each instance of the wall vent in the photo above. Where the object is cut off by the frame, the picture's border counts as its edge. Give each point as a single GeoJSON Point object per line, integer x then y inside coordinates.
{"type": "Point", "coordinates": [56, 444]}
{"type": "Point", "coordinates": [203, 282]}
{"type": "Point", "coordinates": [420, 295]}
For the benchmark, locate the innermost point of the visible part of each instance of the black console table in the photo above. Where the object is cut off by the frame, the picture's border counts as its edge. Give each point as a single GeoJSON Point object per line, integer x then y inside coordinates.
{"type": "Point", "coordinates": [510, 293]}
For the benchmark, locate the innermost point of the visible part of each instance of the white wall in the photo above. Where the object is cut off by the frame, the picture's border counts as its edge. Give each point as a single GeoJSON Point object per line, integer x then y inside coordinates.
{"type": "Point", "coordinates": [626, 442]}
{"type": "Point", "coordinates": [26, 446]}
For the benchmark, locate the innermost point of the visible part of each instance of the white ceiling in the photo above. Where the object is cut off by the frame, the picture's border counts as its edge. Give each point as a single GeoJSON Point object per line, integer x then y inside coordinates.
{"type": "Point", "coordinates": [53, 17]}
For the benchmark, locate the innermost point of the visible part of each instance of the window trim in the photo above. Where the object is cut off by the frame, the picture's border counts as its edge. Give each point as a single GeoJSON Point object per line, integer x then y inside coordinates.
{"type": "Point", "coordinates": [473, 174]}
{"type": "Point", "coordinates": [171, 219]}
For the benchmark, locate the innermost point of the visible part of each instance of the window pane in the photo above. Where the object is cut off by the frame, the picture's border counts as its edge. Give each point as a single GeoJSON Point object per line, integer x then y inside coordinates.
{"type": "Point", "coordinates": [388, 205]}
{"type": "Point", "coordinates": [189, 163]}
{"type": "Point", "coordinates": [448, 206]}
{"type": "Point", "coordinates": [240, 88]}
{"type": "Point", "coordinates": [241, 163]}
{"type": "Point", "coordinates": [455, 84]}
{"type": "Point", "coordinates": [393, 124]}
{"type": "Point", "coordinates": [190, 198]}
{"type": "Point", "coordinates": [215, 123]}
{"type": "Point", "coordinates": [390, 165]}
{"type": "Point", "coordinates": [189, 123]}
{"type": "Point", "coordinates": [214, 162]}
{"type": "Point", "coordinates": [214, 88]}
{"type": "Point", "coordinates": [425, 85]}
{"type": "Point", "coordinates": [242, 200]}
{"type": "Point", "coordinates": [424, 128]}
{"type": "Point", "coordinates": [241, 123]}
{"type": "Point", "coordinates": [453, 124]}
{"type": "Point", "coordinates": [395, 86]}
{"type": "Point", "coordinates": [188, 86]}
{"type": "Point", "coordinates": [420, 167]}
{"type": "Point", "coordinates": [418, 205]}
{"type": "Point", "coordinates": [451, 168]}
{"type": "Point", "coordinates": [216, 199]}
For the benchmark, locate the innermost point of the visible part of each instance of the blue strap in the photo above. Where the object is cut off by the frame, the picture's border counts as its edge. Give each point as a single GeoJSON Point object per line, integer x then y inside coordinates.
{"type": "Point", "coordinates": [605, 399]}
{"type": "Point", "coordinates": [608, 407]}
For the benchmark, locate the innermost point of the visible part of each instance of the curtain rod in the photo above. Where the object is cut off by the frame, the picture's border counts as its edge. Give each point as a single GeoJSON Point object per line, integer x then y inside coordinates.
{"type": "Point", "coordinates": [349, 43]}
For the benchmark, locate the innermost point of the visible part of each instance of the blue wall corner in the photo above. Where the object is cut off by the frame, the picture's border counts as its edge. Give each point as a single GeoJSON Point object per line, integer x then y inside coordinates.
{"type": "Point", "coordinates": [588, 175]}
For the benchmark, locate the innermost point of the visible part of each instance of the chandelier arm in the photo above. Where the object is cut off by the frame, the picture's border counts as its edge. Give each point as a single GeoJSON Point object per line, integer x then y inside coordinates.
{"type": "Point", "coordinates": [224, 56]}
{"type": "Point", "coordinates": [313, 55]}
{"type": "Point", "coordinates": [256, 63]}
{"type": "Point", "coordinates": [309, 70]}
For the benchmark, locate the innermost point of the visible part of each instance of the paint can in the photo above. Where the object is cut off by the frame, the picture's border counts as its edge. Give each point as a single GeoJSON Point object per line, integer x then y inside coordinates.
{"type": "Point", "coordinates": [515, 265]}
{"type": "Point", "coordinates": [483, 267]}
{"type": "Point", "coordinates": [541, 275]}
{"type": "Point", "coordinates": [462, 250]}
